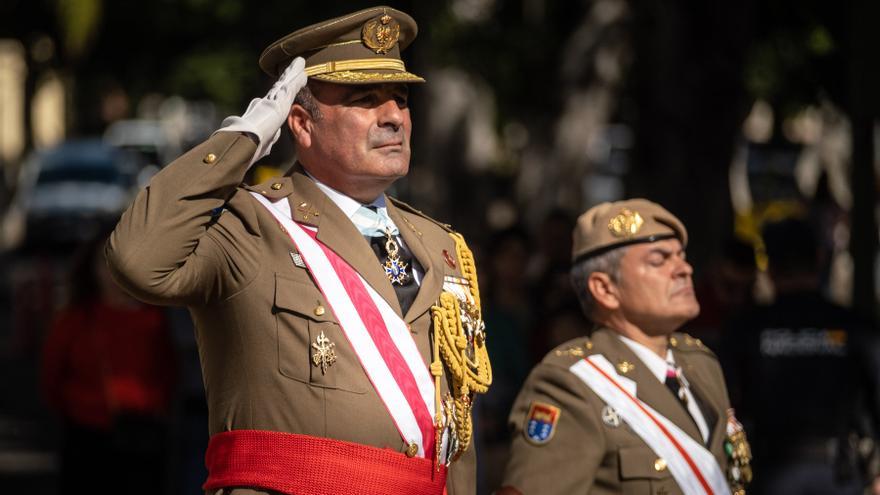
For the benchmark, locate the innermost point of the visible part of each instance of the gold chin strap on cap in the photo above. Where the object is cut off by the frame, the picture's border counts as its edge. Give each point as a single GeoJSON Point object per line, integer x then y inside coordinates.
{"type": "Point", "coordinates": [460, 339]}
{"type": "Point", "coordinates": [355, 64]}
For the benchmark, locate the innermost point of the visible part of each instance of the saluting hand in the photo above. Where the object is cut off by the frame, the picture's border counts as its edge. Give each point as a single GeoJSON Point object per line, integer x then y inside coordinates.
{"type": "Point", "coordinates": [265, 116]}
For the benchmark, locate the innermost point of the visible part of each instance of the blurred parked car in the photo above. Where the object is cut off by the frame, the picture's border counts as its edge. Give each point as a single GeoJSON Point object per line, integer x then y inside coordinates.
{"type": "Point", "coordinates": [65, 193]}
{"type": "Point", "coordinates": [145, 137]}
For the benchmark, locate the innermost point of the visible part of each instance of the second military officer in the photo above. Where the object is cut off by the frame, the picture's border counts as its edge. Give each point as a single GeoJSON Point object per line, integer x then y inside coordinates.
{"type": "Point", "coordinates": [635, 407]}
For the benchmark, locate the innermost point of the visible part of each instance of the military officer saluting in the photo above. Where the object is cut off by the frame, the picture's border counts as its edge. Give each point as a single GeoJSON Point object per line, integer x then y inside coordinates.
{"type": "Point", "coordinates": [339, 329]}
{"type": "Point", "coordinates": [635, 408]}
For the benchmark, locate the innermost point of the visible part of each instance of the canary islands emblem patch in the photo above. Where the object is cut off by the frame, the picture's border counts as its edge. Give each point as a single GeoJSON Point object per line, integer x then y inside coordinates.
{"type": "Point", "coordinates": [541, 423]}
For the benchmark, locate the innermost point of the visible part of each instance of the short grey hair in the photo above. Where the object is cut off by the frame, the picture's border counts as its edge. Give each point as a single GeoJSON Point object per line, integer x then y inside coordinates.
{"type": "Point", "coordinates": [607, 262]}
{"type": "Point", "coordinates": [306, 99]}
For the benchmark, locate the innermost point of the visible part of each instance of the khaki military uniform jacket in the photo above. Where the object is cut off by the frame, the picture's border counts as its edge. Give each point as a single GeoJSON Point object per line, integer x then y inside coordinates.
{"type": "Point", "coordinates": [586, 455]}
{"type": "Point", "coordinates": [196, 237]}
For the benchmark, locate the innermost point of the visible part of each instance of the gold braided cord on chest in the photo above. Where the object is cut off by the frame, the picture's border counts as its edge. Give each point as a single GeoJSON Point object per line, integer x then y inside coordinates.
{"type": "Point", "coordinates": [460, 341]}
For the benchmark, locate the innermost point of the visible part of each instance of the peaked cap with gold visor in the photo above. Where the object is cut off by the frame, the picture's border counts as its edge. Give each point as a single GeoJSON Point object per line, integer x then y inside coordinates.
{"type": "Point", "coordinates": [359, 48]}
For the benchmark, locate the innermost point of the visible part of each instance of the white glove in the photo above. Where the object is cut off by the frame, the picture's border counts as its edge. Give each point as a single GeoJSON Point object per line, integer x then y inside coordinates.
{"type": "Point", "coordinates": [265, 116]}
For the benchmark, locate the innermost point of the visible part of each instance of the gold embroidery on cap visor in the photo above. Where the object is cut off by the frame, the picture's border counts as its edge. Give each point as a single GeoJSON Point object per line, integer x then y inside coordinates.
{"type": "Point", "coordinates": [380, 35]}
{"type": "Point", "coordinates": [355, 71]}
{"type": "Point", "coordinates": [627, 223]}
{"type": "Point", "coordinates": [370, 77]}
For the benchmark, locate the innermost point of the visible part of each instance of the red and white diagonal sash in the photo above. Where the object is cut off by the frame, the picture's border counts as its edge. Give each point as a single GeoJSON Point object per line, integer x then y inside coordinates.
{"type": "Point", "coordinates": [694, 468]}
{"type": "Point", "coordinates": [379, 337]}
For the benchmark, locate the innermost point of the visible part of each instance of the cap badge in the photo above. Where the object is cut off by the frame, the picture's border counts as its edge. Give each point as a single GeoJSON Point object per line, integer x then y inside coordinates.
{"type": "Point", "coordinates": [380, 35]}
{"type": "Point", "coordinates": [627, 223]}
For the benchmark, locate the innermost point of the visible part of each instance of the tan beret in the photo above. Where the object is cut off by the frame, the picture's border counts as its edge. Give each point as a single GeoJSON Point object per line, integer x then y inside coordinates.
{"type": "Point", "coordinates": [359, 48]}
{"type": "Point", "coordinates": [609, 225]}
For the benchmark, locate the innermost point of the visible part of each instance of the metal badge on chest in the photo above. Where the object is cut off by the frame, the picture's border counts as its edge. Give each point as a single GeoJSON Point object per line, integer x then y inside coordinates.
{"type": "Point", "coordinates": [395, 268]}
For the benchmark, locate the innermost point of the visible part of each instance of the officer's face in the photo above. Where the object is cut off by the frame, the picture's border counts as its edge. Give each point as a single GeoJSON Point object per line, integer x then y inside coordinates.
{"type": "Point", "coordinates": [655, 289]}
{"type": "Point", "coordinates": [361, 142]}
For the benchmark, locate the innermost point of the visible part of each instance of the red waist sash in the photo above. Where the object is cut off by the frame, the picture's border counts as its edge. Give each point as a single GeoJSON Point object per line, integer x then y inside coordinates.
{"type": "Point", "coordinates": [303, 465]}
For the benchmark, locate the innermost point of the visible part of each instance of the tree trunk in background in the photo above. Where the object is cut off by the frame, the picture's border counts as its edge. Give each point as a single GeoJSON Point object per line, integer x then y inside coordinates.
{"type": "Point", "coordinates": [689, 105]}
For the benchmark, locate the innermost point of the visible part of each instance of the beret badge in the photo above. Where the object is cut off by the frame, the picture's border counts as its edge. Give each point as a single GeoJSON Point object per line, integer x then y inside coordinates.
{"type": "Point", "coordinates": [627, 223]}
{"type": "Point", "coordinates": [380, 35]}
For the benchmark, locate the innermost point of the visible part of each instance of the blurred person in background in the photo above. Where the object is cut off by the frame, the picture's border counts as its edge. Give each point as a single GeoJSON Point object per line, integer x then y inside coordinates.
{"type": "Point", "coordinates": [725, 290]}
{"type": "Point", "coordinates": [803, 370]}
{"type": "Point", "coordinates": [509, 312]}
{"type": "Point", "coordinates": [340, 331]}
{"type": "Point", "coordinates": [636, 407]}
{"type": "Point", "coordinates": [550, 287]}
{"type": "Point", "coordinates": [108, 370]}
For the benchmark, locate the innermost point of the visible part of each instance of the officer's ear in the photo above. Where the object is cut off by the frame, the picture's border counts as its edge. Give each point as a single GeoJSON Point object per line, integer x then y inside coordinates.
{"type": "Point", "coordinates": [300, 121]}
{"type": "Point", "coordinates": [604, 290]}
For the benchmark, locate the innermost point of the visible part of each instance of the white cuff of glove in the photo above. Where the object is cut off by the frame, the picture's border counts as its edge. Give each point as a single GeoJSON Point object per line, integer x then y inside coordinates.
{"type": "Point", "coordinates": [265, 116]}
{"type": "Point", "coordinates": [234, 123]}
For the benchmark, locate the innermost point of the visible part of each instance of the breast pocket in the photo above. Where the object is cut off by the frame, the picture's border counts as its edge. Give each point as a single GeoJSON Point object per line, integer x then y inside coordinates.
{"type": "Point", "coordinates": [309, 336]}
{"type": "Point", "coordinates": [643, 472]}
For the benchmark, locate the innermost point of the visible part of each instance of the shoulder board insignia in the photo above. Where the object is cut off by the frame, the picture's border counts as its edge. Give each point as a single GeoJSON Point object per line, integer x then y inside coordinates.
{"type": "Point", "coordinates": [410, 209]}
{"type": "Point", "coordinates": [573, 351]}
{"type": "Point", "coordinates": [541, 423]}
{"type": "Point", "coordinates": [577, 351]}
{"type": "Point", "coordinates": [685, 342]}
{"type": "Point", "coordinates": [274, 188]}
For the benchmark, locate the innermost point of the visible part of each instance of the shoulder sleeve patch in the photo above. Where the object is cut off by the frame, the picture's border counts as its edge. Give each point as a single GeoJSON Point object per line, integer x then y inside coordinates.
{"type": "Point", "coordinates": [541, 423]}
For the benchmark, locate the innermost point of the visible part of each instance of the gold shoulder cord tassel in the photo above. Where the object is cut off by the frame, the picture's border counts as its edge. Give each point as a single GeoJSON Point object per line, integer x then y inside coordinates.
{"type": "Point", "coordinates": [460, 339]}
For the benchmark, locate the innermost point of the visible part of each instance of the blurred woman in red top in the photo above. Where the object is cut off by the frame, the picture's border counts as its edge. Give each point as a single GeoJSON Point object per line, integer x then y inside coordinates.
{"type": "Point", "coordinates": [109, 370]}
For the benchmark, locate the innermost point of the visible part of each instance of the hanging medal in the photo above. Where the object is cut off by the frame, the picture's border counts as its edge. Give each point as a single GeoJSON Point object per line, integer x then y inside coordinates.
{"type": "Point", "coordinates": [395, 268]}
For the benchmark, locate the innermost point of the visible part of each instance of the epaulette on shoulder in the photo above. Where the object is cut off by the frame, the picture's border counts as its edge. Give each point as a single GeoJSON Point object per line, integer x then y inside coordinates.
{"type": "Point", "coordinates": [571, 351]}
{"type": "Point", "coordinates": [685, 343]}
{"type": "Point", "coordinates": [273, 189]}
{"type": "Point", "coordinates": [408, 208]}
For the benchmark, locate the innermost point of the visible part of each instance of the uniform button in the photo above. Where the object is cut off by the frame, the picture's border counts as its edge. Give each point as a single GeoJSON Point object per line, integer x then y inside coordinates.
{"type": "Point", "coordinates": [673, 341]}
{"type": "Point", "coordinates": [659, 464]}
{"type": "Point", "coordinates": [210, 158]}
{"type": "Point", "coordinates": [412, 449]}
{"type": "Point", "coordinates": [276, 186]}
{"type": "Point", "coordinates": [319, 310]}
